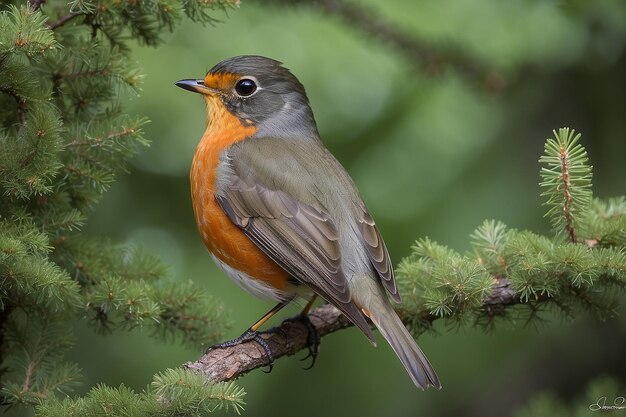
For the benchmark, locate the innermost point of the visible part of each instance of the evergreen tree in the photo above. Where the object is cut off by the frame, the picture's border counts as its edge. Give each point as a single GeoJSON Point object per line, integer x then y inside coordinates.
{"type": "Point", "coordinates": [63, 138]}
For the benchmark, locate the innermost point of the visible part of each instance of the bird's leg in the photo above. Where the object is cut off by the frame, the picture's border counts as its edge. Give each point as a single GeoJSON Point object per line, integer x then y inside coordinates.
{"type": "Point", "coordinates": [313, 337]}
{"type": "Point", "coordinates": [253, 334]}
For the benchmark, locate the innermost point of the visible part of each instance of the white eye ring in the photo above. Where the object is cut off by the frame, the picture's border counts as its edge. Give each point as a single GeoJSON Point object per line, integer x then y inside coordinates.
{"type": "Point", "coordinates": [246, 86]}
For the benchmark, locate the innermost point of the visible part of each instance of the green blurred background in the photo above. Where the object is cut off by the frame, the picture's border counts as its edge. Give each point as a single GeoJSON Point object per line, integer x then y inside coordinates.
{"type": "Point", "coordinates": [432, 156]}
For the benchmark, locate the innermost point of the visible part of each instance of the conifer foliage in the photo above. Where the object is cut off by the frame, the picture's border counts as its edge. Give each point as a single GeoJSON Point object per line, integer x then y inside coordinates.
{"type": "Point", "coordinates": [518, 274]}
{"type": "Point", "coordinates": [63, 139]}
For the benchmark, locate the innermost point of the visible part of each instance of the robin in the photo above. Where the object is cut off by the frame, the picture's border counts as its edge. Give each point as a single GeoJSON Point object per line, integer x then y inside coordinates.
{"type": "Point", "coordinates": [280, 215]}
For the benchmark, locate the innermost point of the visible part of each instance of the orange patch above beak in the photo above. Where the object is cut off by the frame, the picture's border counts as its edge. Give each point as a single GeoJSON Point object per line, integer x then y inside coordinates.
{"type": "Point", "coordinates": [221, 81]}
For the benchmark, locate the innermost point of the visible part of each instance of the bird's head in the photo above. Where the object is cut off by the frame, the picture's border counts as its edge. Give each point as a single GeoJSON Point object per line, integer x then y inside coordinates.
{"type": "Point", "coordinates": [260, 92]}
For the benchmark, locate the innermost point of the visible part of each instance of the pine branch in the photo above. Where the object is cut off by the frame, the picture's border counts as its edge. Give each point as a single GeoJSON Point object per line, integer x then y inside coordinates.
{"type": "Point", "coordinates": [227, 364]}
{"type": "Point", "coordinates": [173, 392]}
{"type": "Point", "coordinates": [24, 29]}
{"type": "Point", "coordinates": [566, 180]}
{"type": "Point", "coordinates": [287, 339]}
{"type": "Point", "coordinates": [290, 337]}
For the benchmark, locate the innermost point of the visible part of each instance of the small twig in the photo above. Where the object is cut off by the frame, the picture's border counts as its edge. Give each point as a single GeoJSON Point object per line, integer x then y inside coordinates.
{"type": "Point", "coordinates": [35, 4]}
{"type": "Point", "coordinates": [21, 113]}
{"type": "Point", "coordinates": [63, 20]}
{"type": "Point", "coordinates": [4, 318]}
{"type": "Point", "coordinates": [93, 142]}
{"type": "Point", "coordinates": [432, 58]}
{"type": "Point", "coordinates": [21, 105]}
{"type": "Point", "coordinates": [567, 204]}
{"type": "Point", "coordinates": [29, 375]}
{"type": "Point", "coordinates": [225, 364]}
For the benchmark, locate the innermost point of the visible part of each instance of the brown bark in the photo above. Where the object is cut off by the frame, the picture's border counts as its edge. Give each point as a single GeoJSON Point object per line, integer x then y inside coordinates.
{"type": "Point", "coordinates": [225, 364]}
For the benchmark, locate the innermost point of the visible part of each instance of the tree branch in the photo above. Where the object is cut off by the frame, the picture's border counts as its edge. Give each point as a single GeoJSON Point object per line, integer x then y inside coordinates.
{"type": "Point", "coordinates": [35, 4]}
{"type": "Point", "coordinates": [63, 20]}
{"type": "Point", "coordinates": [225, 364]}
{"type": "Point", "coordinates": [21, 105]}
{"type": "Point", "coordinates": [431, 58]}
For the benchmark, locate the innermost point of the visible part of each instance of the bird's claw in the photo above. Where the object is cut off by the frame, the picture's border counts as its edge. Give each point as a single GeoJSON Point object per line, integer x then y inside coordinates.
{"type": "Point", "coordinates": [313, 339]}
{"type": "Point", "coordinates": [247, 336]}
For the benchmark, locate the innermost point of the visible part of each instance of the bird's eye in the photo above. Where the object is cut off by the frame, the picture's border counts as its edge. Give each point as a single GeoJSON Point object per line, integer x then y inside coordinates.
{"type": "Point", "coordinates": [245, 87]}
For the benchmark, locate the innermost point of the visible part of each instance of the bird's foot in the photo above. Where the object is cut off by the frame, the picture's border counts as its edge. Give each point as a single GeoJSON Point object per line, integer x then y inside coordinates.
{"type": "Point", "coordinates": [247, 336]}
{"type": "Point", "coordinates": [313, 338]}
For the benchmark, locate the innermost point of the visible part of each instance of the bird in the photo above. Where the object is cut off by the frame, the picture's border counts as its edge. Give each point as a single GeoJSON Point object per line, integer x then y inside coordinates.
{"type": "Point", "coordinates": [279, 213]}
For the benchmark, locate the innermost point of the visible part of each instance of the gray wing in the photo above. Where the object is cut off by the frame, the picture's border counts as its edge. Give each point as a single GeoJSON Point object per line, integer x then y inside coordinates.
{"type": "Point", "coordinates": [298, 236]}
{"type": "Point", "coordinates": [378, 254]}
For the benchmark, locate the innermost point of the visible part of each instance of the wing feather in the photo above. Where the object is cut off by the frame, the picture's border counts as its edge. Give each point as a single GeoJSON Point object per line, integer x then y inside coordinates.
{"type": "Point", "coordinates": [378, 254]}
{"type": "Point", "coordinates": [299, 237]}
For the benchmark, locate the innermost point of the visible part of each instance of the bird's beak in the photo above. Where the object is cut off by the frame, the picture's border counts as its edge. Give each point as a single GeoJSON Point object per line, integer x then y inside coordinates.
{"type": "Point", "coordinates": [197, 86]}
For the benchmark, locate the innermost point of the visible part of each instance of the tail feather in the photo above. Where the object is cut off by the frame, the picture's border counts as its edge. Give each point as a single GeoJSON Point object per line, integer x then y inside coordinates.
{"type": "Point", "coordinates": [391, 327]}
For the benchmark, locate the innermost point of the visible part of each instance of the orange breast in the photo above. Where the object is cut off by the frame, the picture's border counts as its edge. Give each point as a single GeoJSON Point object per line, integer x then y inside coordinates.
{"type": "Point", "coordinates": [223, 239]}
